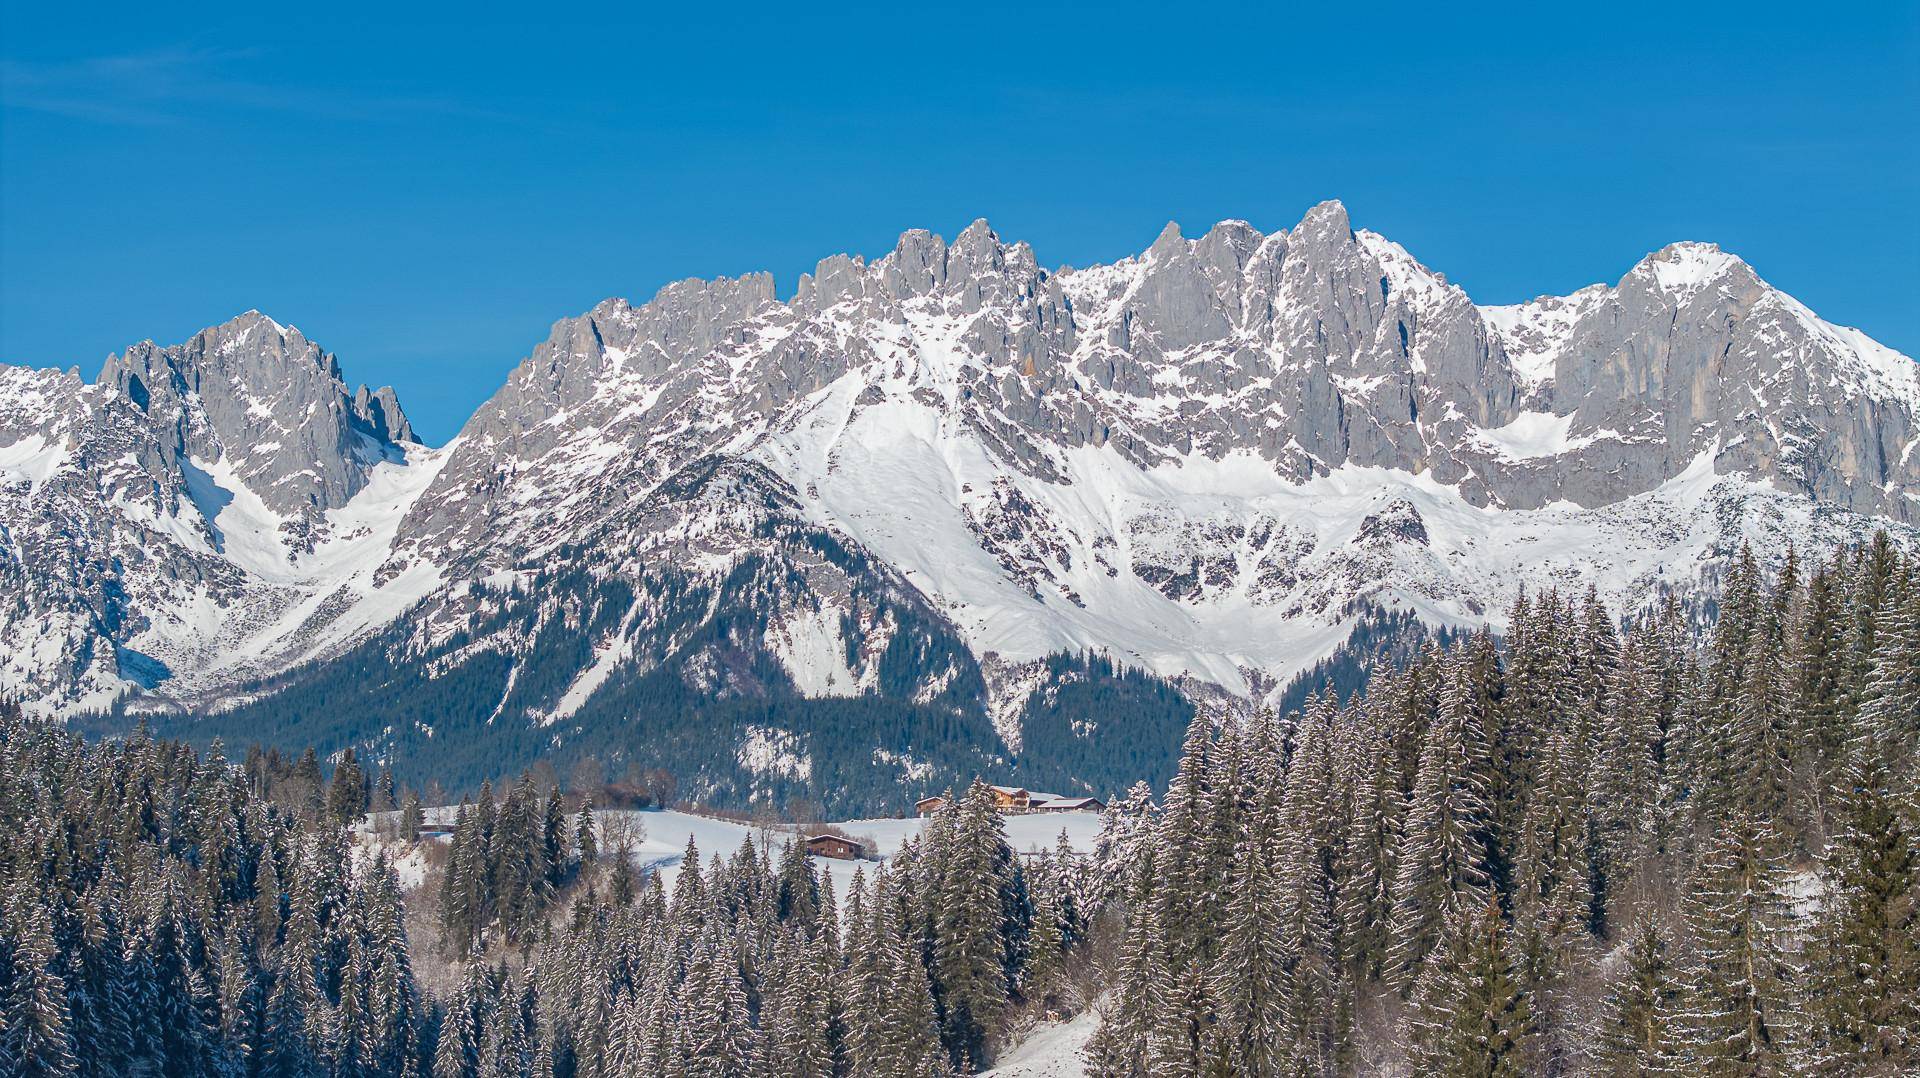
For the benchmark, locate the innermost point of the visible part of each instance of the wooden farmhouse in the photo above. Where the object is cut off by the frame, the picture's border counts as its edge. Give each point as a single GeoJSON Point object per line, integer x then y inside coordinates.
{"type": "Point", "coordinates": [1010, 798]}
{"type": "Point", "coordinates": [844, 849]}
{"type": "Point", "coordinates": [1015, 800]}
{"type": "Point", "coordinates": [1070, 804]}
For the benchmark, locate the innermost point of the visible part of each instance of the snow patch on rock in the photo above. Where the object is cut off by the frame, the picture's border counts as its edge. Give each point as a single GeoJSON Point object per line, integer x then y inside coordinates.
{"type": "Point", "coordinates": [769, 751]}
{"type": "Point", "coordinates": [813, 652]}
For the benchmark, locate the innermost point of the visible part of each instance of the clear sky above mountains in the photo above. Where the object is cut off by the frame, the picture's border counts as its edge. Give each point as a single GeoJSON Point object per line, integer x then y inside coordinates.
{"type": "Point", "coordinates": [424, 197]}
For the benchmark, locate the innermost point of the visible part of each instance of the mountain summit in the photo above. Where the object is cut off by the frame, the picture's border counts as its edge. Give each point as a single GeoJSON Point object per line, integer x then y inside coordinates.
{"type": "Point", "coordinates": [945, 465]}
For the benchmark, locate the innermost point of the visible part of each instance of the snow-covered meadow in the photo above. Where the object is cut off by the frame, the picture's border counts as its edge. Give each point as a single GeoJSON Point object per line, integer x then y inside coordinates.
{"type": "Point", "coordinates": [664, 833]}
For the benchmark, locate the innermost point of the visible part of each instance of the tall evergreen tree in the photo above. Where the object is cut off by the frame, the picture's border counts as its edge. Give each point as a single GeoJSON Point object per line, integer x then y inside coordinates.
{"type": "Point", "coordinates": [1638, 1007]}
{"type": "Point", "coordinates": [1864, 985]}
{"type": "Point", "coordinates": [1471, 1013]}
{"type": "Point", "coordinates": [971, 946]}
{"type": "Point", "coordinates": [1442, 859]}
{"type": "Point", "coordinates": [1737, 980]}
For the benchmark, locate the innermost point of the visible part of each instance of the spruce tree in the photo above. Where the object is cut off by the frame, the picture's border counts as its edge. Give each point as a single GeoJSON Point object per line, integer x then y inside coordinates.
{"type": "Point", "coordinates": [1249, 988]}
{"type": "Point", "coordinates": [1120, 1047]}
{"type": "Point", "coordinates": [413, 817]}
{"type": "Point", "coordinates": [1044, 972]}
{"type": "Point", "coordinates": [1737, 1011]}
{"type": "Point", "coordinates": [1442, 859]}
{"type": "Point", "coordinates": [1471, 1013]}
{"type": "Point", "coordinates": [1890, 709]}
{"type": "Point", "coordinates": [36, 1035]}
{"type": "Point", "coordinates": [556, 839]}
{"type": "Point", "coordinates": [1638, 1006]}
{"type": "Point", "coordinates": [347, 796]}
{"type": "Point", "coordinates": [586, 834]}
{"type": "Point", "coordinates": [1864, 985]}
{"type": "Point", "coordinates": [1365, 902]}
{"type": "Point", "coordinates": [970, 933]}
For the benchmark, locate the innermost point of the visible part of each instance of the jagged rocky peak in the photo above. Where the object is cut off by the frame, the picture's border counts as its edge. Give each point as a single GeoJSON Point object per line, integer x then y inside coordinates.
{"type": "Point", "coordinates": [1315, 347]}
{"type": "Point", "coordinates": [1682, 269]}
{"type": "Point", "coordinates": [379, 410]}
{"type": "Point", "coordinates": [682, 323]}
{"type": "Point", "coordinates": [1325, 225]}
{"type": "Point", "coordinates": [265, 401]}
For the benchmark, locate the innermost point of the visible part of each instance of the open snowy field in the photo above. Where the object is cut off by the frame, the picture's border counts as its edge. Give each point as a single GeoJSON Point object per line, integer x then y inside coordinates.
{"type": "Point", "coordinates": [666, 832]}
{"type": "Point", "coordinates": [1048, 1051]}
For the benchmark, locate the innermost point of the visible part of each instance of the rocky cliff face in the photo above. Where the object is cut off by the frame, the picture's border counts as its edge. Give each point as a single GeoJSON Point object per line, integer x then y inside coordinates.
{"type": "Point", "coordinates": [268, 402]}
{"type": "Point", "coordinates": [188, 507]}
{"type": "Point", "coordinates": [1204, 460]}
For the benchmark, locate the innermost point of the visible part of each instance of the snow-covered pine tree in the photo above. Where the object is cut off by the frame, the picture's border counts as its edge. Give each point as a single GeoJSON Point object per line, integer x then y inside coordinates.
{"type": "Point", "coordinates": [556, 841]}
{"type": "Point", "coordinates": [1179, 1041]}
{"type": "Point", "coordinates": [1628, 772]}
{"type": "Point", "coordinates": [413, 816]}
{"type": "Point", "coordinates": [36, 1035]}
{"type": "Point", "coordinates": [1046, 946]}
{"type": "Point", "coordinates": [1249, 984]}
{"type": "Point", "coordinates": [1890, 709]}
{"type": "Point", "coordinates": [971, 957]}
{"type": "Point", "coordinates": [1863, 990]}
{"type": "Point", "coordinates": [1635, 1014]}
{"type": "Point", "coordinates": [1365, 901]}
{"type": "Point", "coordinates": [1758, 766]}
{"type": "Point", "coordinates": [1471, 1015]}
{"type": "Point", "coordinates": [461, 891]}
{"type": "Point", "coordinates": [586, 833]}
{"type": "Point", "coordinates": [1300, 826]}
{"type": "Point", "coordinates": [1183, 889]}
{"type": "Point", "coordinates": [1737, 978]}
{"type": "Point", "coordinates": [1552, 900]}
{"type": "Point", "coordinates": [720, 1037]}
{"type": "Point", "coordinates": [347, 794]}
{"type": "Point", "coordinates": [1120, 1047]}
{"type": "Point", "coordinates": [1442, 857]}
{"type": "Point", "coordinates": [1821, 720]}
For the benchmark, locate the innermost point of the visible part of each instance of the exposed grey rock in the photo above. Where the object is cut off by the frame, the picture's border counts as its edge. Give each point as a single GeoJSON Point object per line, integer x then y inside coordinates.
{"type": "Point", "coordinates": [268, 401]}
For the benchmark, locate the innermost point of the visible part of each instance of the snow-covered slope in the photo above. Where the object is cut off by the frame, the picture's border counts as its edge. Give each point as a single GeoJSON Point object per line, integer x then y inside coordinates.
{"type": "Point", "coordinates": [1049, 1050]}
{"type": "Point", "coordinates": [1204, 460]}
{"type": "Point", "coordinates": [201, 514]}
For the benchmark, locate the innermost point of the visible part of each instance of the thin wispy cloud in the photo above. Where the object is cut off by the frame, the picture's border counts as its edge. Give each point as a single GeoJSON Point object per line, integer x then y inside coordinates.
{"type": "Point", "coordinates": [171, 86]}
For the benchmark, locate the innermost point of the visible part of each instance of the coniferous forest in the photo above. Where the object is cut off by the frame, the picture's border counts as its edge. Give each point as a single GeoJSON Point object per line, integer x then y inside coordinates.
{"type": "Point", "coordinates": [1587, 847]}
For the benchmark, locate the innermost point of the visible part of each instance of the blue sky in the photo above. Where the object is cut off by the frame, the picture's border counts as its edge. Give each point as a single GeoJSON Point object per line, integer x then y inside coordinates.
{"type": "Point", "coordinates": [425, 194]}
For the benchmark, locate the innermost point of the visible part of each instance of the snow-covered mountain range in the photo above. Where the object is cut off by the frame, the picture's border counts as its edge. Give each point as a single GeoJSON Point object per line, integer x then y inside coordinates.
{"type": "Point", "coordinates": [1204, 461]}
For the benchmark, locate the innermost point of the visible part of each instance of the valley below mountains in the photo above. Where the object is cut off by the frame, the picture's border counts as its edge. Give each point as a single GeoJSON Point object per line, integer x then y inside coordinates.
{"type": "Point", "coordinates": [938, 514]}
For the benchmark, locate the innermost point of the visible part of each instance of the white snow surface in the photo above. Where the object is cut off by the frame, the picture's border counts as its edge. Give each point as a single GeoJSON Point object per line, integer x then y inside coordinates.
{"type": "Point", "coordinates": [31, 460]}
{"type": "Point", "coordinates": [1533, 435]}
{"type": "Point", "coordinates": [910, 485]}
{"type": "Point", "coordinates": [766, 750]}
{"type": "Point", "coordinates": [666, 833]}
{"type": "Point", "coordinates": [1534, 333]}
{"type": "Point", "coordinates": [1049, 1050]}
{"type": "Point", "coordinates": [1685, 268]}
{"type": "Point", "coordinates": [813, 651]}
{"type": "Point", "coordinates": [297, 603]}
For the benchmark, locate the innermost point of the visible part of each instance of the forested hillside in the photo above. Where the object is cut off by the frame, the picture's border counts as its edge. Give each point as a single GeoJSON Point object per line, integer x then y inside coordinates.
{"type": "Point", "coordinates": [1586, 853]}
{"type": "Point", "coordinates": [162, 917]}
{"type": "Point", "coordinates": [1577, 850]}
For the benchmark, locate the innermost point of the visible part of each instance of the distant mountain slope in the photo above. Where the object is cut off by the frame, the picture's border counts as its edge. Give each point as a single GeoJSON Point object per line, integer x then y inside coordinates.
{"type": "Point", "coordinates": [944, 466]}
